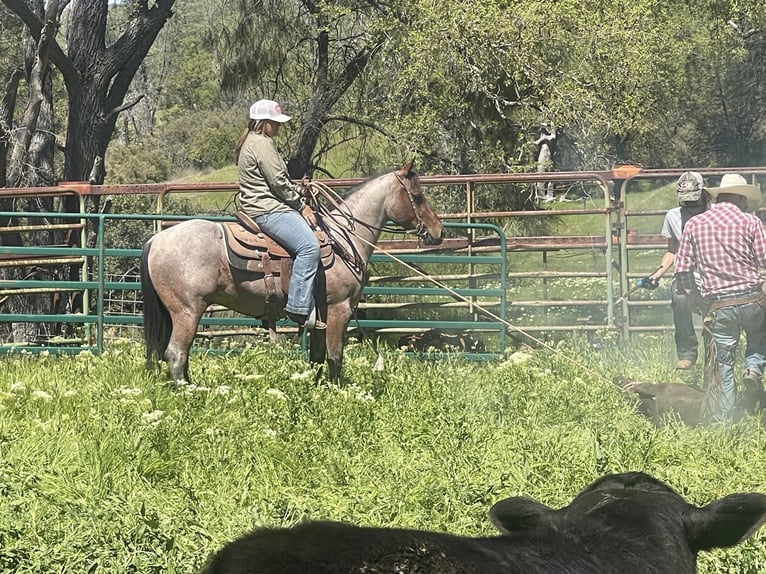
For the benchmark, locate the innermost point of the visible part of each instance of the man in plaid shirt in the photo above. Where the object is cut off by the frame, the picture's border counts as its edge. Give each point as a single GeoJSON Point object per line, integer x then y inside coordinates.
{"type": "Point", "coordinates": [727, 246]}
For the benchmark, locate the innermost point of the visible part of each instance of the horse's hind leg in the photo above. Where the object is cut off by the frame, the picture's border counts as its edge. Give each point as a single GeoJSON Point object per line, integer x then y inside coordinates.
{"type": "Point", "coordinates": [181, 339]}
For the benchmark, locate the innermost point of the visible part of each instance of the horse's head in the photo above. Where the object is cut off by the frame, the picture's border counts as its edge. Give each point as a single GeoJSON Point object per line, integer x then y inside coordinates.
{"type": "Point", "coordinates": [410, 209]}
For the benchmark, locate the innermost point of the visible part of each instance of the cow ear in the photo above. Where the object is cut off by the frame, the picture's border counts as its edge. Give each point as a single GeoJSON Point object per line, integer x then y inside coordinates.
{"type": "Point", "coordinates": [515, 514]}
{"type": "Point", "coordinates": [725, 522]}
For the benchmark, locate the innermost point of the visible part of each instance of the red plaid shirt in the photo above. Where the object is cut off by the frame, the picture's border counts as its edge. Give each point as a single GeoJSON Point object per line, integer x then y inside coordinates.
{"type": "Point", "coordinates": [727, 246]}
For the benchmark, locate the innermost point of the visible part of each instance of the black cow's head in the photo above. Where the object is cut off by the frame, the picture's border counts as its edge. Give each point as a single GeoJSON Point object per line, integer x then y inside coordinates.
{"type": "Point", "coordinates": [632, 522]}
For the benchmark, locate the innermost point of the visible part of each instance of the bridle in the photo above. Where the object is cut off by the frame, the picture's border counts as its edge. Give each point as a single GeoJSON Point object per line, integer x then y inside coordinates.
{"type": "Point", "coordinates": [335, 201]}
{"type": "Point", "coordinates": [421, 229]}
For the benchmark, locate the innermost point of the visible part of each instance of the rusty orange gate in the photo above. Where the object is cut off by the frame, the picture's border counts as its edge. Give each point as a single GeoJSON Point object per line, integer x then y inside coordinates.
{"type": "Point", "coordinates": [568, 266]}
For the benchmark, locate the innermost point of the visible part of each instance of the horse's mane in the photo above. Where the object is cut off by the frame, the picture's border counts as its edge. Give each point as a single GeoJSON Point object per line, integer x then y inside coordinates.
{"type": "Point", "coordinates": [352, 190]}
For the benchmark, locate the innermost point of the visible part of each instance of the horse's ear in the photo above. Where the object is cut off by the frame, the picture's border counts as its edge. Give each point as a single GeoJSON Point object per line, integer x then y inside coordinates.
{"type": "Point", "coordinates": [407, 168]}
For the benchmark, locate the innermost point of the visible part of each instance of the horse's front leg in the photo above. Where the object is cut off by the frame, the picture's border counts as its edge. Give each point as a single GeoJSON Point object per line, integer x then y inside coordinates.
{"type": "Point", "coordinates": [338, 317]}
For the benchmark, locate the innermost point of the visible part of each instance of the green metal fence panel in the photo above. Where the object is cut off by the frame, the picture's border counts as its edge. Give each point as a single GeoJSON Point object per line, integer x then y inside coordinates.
{"type": "Point", "coordinates": [96, 315]}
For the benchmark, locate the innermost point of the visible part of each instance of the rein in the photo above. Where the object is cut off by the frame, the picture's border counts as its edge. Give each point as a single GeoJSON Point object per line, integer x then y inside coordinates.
{"type": "Point", "coordinates": [317, 189]}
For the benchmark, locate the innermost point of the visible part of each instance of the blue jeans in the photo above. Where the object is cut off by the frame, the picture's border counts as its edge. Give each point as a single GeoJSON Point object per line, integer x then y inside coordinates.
{"type": "Point", "coordinates": [727, 326]}
{"type": "Point", "coordinates": [683, 323]}
{"type": "Point", "coordinates": [290, 230]}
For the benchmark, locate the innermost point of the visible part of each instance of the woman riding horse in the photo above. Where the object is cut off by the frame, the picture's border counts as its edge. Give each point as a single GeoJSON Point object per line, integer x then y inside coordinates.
{"type": "Point", "coordinates": [186, 268]}
{"type": "Point", "coordinates": [274, 202]}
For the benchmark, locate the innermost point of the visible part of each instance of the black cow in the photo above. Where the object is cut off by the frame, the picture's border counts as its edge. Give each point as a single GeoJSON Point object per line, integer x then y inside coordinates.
{"type": "Point", "coordinates": [626, 523]}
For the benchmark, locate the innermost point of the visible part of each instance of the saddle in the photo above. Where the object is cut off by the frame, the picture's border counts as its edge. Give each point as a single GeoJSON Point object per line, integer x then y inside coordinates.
{"type": "Point", "coordinates": [249, 249]}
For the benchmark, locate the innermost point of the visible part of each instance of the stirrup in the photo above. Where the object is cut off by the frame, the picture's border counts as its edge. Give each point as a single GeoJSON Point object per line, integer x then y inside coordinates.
{"type": "Point", "coordinates": [311, 319]}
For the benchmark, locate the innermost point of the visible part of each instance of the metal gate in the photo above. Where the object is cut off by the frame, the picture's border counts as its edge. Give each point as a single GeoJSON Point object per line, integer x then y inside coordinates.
{"type": "Point", "coordinates": [395, 303]}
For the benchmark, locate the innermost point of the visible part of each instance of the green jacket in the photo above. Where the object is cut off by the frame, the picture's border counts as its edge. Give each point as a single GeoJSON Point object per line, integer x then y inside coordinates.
{"type": "Point", "coordinates": [264, 185]}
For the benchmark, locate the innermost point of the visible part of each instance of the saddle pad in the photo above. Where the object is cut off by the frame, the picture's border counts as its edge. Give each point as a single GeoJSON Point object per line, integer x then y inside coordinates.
{"type": "Point", "coordinates": [245, 247]}
{"type": "Point", "coordinates": [246, 244]}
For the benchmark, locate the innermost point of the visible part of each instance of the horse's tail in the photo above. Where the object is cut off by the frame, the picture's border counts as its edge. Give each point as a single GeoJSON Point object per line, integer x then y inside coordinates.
{"type": "Point", "coordinates": [157, 323]}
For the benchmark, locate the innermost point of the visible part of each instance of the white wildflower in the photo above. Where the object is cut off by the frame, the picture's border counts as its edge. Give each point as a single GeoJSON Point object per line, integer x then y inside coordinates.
{"type": "Point", "coordinates": [128, 391]}
{"type": "Point", "coordinates": [153, 417]}
{"type": "Point", "coordinates": [365, 396]}
{"type": "Point", "coordinates": [18, 387]}
{"type": "Point", "coordinates": [271, 433]}
{"type": "Point", "coordinates": [42, 396]}
{"type": "Point", "coordinates": [519, 357]}
{"type": "Point", "coordinates": [253, 377]}
{"type": "Point", "coordinates": [222, 390]}
{"type": "Point", "coordinates": [191, 388]}
{"type": "Point", "coordinates": [300, 376]}
{"type": "Point", "coordinates": [277, 394]}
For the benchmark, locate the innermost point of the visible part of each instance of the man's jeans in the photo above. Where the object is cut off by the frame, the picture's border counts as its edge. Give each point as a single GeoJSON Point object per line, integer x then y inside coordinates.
{"type": "Point", "coordinates": [290, 230]}
{"type": "Point", "coordinates": [683, 322]}
{"type": "Point", "coordinates": [726, 329]}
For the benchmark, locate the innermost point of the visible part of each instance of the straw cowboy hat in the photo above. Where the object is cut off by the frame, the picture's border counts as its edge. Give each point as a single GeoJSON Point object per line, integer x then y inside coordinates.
{"type": "Point", "coordinates": [736, 184]}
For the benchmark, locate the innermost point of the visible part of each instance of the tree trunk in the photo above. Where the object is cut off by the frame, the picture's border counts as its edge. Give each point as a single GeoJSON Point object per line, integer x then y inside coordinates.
{"type": "Point", "coordinates": [97, 77]}
{"type": "Point", "coordinates": [327, 92]}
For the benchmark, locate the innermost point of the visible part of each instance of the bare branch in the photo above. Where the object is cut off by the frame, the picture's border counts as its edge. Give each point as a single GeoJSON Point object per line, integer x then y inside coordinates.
{"type": "Point", "coordinates": [57, 56]}
{"type": "Point", "coordinates": [447, 163]}
{"type": "Point", "coordinates": [125, 106]}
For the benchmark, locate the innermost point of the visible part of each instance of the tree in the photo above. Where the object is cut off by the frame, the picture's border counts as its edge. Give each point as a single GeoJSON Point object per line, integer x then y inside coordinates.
{"type": "Point", "coordinates": [96, 77]}
{"type": "Point", "coordinates": [311, 54]}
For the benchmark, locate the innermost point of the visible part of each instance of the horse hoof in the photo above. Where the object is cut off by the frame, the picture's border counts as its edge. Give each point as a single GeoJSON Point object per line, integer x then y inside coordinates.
{"type": "Point", "coordinates": [179, 384]}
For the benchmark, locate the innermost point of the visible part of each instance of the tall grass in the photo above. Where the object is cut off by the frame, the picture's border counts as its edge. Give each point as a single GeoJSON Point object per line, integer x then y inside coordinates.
{"type": "Point", "coordinates": [104, 469]}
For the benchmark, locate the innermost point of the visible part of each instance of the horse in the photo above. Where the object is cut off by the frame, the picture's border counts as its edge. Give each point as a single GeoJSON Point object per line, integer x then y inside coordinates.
{"type": "Point", "coordinates": [185, 268]}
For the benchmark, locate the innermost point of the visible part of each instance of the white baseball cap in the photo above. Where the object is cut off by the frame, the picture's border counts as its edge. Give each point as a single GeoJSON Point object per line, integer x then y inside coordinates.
{"type": "Point", "coordinates": [267, 110]}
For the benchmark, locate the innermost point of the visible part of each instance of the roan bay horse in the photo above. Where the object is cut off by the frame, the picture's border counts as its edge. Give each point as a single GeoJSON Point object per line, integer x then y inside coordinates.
{"type": "Point", "coordinates": [185, 268]}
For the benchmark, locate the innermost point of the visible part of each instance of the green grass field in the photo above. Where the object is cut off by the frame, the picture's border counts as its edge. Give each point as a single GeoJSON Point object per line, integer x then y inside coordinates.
{"type": "Point", "coordinates": [105, 469]}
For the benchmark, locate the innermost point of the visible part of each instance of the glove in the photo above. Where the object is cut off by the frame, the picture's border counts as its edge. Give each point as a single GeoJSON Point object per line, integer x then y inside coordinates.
{"type": "Point", "coordinates": [647, 283]}
{"type": "Point", "coordinates": [303, 186]}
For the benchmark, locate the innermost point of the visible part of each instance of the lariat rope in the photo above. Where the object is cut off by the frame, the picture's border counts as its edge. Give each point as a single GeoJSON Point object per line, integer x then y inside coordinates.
{"type": "Point", "coordinates": [316, 188]}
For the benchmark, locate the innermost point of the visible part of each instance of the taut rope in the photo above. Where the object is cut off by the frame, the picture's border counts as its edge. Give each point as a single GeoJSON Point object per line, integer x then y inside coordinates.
{"type": "Point", "coordinates": [320, 189]}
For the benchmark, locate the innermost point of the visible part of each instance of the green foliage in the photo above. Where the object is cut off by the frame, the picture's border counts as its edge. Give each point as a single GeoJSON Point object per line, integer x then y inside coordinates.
{"type": "Point", "coordinates": [463, 86]}
{"type": "Point", "coordinates": [142, 162]}
{"type": "Point", "coordinates": [207, 139]}
{"type": "Point", "coordinates": [105, 469]}
{"type": "Point", "coordinates": [10, 42]}
{"type": "Point", "coordinates": [131, 233]}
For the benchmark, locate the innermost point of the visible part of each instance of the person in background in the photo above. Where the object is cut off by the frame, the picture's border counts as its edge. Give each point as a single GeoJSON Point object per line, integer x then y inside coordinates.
{"type": "Point", "coordinates": [546, 148]}
{"type": "Point", "coordinates": [275, 203]}
{"type": "Point", "coordinates": [692, 200]}
{"type": "Point", "coordinates": [727, 246]}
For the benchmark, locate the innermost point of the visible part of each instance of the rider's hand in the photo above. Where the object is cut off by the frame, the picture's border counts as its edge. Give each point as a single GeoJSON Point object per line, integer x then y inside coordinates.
{"type": "Point", "coordinates": [303, 187]}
